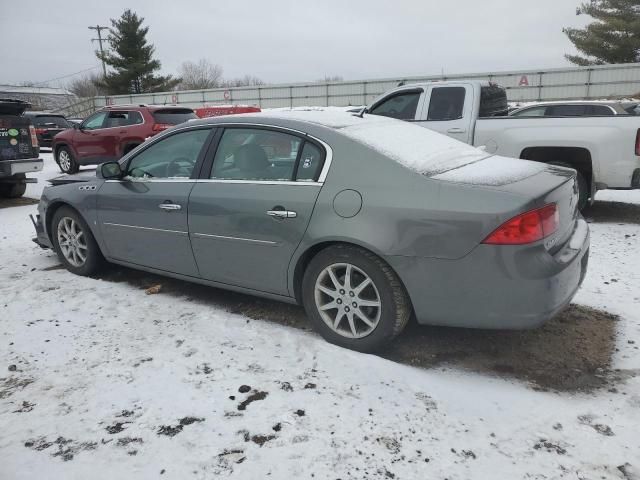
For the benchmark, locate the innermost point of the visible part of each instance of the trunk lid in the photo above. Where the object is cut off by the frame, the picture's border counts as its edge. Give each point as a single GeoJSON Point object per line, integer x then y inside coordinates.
{"type": "Point", "coordinates": [542, 184]}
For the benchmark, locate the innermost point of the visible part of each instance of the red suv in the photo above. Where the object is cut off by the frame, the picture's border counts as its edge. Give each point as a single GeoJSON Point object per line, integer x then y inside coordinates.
{"type": "Point", "coordinates": [112, 132]}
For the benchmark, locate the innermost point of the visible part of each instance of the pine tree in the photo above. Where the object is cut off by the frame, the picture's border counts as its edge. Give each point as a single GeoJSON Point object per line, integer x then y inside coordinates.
{"type": "Point", "coordinates": [614, 36]}
{"type": "Point", "coordinates": [131, 58]}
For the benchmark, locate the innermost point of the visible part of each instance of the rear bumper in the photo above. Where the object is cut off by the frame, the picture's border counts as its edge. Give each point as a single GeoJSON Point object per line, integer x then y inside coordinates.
{"type": "Point", "coordinates": [8, 168]}
{"type": "Point", "coordinates": [496, 287]}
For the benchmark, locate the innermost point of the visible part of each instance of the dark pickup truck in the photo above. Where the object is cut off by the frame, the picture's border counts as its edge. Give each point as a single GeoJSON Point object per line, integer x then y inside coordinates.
{"type": "Point", "coordinates": [19, 150]}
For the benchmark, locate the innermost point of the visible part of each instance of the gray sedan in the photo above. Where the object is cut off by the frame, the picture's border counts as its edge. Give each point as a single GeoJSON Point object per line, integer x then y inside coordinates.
{"type": "Point", "coordinates": [366, 221]}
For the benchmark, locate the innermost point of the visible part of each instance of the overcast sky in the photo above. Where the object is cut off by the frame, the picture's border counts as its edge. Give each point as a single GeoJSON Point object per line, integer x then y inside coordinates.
{"type": "Point", "coordinates": [296, 41]}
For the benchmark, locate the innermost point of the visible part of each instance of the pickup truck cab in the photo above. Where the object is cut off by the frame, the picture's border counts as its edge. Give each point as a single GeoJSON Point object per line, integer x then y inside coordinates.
{"type": "Point", "coordinates": [605, 151]}
{"type": "Point", "coordinates": [19, 150]}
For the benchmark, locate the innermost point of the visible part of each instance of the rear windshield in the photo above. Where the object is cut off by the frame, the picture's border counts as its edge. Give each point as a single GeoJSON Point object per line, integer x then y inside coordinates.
{"type": "Point", "coordinates": [50, 121]}
{"type": "Point", "coordinates": [493, 101]}
{"type": "Point", "coordinates": [174, 116]}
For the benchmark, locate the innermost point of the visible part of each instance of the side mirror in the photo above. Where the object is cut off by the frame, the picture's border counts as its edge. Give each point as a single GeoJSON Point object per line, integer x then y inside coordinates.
{"type": "Point", "coordinates": [110, 170]}
{"type": "Point", "coordinates": [75, 125]}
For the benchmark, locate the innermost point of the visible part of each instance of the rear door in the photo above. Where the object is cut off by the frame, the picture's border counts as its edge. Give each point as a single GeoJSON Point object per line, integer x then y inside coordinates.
{"type": "Point", "coordinates": [143, 217]}
{"type": "Point", "coordinates": [249, 212]}
{"type": "Point", "coordinates": [448, 109]}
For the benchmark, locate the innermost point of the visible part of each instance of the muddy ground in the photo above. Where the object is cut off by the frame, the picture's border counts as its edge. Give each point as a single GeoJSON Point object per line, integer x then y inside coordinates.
{"type": "Point", "coordinates": [570, 353]}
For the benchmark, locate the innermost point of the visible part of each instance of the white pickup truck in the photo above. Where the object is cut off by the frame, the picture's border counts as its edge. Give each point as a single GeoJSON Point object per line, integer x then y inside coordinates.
{"type": "Point", "coordinates": [605, 150]}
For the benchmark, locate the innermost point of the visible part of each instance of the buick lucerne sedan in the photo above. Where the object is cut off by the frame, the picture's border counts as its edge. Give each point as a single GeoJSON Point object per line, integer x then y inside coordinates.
{"type": "Point", "coordinates": [366, 221]}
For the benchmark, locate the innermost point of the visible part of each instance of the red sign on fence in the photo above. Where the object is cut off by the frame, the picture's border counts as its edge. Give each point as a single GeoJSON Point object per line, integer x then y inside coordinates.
{"type": "Point", "coordinates": [524, 81]}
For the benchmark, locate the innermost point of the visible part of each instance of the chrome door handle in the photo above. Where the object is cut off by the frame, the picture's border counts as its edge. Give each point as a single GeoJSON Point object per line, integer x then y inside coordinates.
{"type": "Point", "coordinates": [456, 130]}
{"type": "Point", "coordinates": [282, 214]}
{"type": "Point", "coordinates": [170, 207]}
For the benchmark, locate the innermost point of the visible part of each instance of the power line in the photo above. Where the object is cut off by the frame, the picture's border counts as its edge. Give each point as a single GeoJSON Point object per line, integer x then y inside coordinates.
{"type": "Point", "coordinates": [99, 29]}
{"type": "Point", "coordinates": [64, 76]}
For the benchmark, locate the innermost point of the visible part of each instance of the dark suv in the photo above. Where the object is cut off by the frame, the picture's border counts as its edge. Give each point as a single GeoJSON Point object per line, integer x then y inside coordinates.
{"type": "Point", "coordinates": [112, 132]}
{"type": "Point", "coordinates": [19, 149]}
{"type": "Point", "coordinates": [47, 126]}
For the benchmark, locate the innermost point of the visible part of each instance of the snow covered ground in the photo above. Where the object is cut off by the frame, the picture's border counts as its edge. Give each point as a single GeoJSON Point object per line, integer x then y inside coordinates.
{"type": "Point", "coordinates": [100, 380]}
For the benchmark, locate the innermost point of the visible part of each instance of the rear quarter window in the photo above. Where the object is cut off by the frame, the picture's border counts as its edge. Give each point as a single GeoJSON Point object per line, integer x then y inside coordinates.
{"type": "Point", "coordinates": [493, 101]}
{"type": "Point", "coordinates": [174, 116]}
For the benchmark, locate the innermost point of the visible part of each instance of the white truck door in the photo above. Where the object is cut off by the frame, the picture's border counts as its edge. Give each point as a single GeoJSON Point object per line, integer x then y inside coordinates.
{"type": "Point", "coordinates": [448, 109]}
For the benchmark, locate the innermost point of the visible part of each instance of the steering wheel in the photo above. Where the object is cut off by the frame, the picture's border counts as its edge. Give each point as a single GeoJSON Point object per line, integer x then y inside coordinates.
{"type": "Point", "coordinates": [176, 167]}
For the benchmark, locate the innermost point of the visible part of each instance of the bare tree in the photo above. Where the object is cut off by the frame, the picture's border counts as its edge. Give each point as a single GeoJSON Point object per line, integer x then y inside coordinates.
{"type": "Point", "coordinates": [86, 86]}
{"type": "Point", "coordinates": [246, 81]}
{"type": "Point", "coordinates": [332, 78]}
{"type": "Point", "coordinates": [200, 75]}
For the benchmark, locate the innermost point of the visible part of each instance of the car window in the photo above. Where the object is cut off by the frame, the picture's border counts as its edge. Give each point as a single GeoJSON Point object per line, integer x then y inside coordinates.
{"type": "Point", "coordinates": [122, 119]}
{"type": "Point", "coordinates": [94, 121]}
{"type": "Point", "coordinates": [402, 106]}
{"type": "Point", "coordinates": [566, 111]}
{"type": "Point", "coordinates": [173, 116]}
{"type": "Point", "coordinates": [50, 121]}
{"type": "Point", "coordinates": [600, 110]}
{"type": "Point", "coordinates": [531, 112]}
{"type": "Point", "coordinates": [447, 103]}
{"type": "Point", "coordinates": [311, 161]}
{"type": "Point", "coordinates": [255, 154]}
{"type": "Point", "coordinates": [172, 157]}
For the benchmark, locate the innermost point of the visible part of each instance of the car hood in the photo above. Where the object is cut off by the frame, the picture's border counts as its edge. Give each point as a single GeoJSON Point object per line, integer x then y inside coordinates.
{"type": "Point", "coordinates": [76, 178]}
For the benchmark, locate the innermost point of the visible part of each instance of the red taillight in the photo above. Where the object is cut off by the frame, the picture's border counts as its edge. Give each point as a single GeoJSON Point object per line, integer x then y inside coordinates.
{"type": "Point", "coordinates": [159, 127]}
{"type": "Point", "coordinates": [34, 138]}
{"type": "Point", "coordinates": [638, 143]}
{"type": "Point", "coordinates": [527, 227]}
{"type": "Point", "coordinates": [40, 131]}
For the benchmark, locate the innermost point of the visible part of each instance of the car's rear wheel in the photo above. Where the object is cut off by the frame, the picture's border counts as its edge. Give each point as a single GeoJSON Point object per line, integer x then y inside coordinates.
{"type": "Point", "coordinates": [13, 190]}
{"type": "Point", "coordinates": [66, 162]}
{"type": "Point", "coordinates": [354, 299]}
{"type": "Point", "coordinates": [74, 243]}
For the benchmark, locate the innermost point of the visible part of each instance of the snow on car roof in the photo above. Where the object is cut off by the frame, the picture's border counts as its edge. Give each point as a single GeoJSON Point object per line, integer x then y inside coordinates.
{"type": "Point", "coordinates": [417, 148]}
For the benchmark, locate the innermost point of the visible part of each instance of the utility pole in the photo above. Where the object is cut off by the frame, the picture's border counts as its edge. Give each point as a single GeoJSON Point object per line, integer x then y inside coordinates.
{"type": "Point", "coordinates": [99, 29]}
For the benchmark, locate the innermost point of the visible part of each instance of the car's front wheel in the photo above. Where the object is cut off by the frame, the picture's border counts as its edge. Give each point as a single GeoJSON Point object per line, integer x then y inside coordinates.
{"type": "Point", "coordinates": [354, 299]}
{"type": "Point", "coordinates": [66, 162]}
{"type": "Point", "coordinates": [74, 243]}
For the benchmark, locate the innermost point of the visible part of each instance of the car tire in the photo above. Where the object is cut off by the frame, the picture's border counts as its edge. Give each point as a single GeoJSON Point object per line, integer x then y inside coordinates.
{"type": "Point", "coordinates": [13, 190]}
{"type": "Point", "coordinates": [80, 254]}
{"type": "Point", "coordinates": [583, 187]}
{"type": "Point", "coordinates": [66, 161]}
{"type": "Point", "coordinates": [371, 281]}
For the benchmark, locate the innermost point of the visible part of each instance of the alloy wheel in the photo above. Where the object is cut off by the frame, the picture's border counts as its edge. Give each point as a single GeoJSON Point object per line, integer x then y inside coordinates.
{"type": "Point", "coordinates": [64, 160]}
{"type": "Point", "coordinates": [347, 300]}
{"type": "Point", "coordinates": [72, 241]}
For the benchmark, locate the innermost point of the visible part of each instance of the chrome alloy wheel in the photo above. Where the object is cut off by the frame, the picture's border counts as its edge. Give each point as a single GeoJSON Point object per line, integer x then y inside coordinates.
{"type": "Point", "coordinates": [347, 300]}
{"type": "Point", "coordinates": [64, 160]}
{"type": "Point", "coordinates": [72, 241]}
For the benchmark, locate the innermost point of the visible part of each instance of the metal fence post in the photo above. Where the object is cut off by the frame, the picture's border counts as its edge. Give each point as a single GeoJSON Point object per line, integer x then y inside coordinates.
{"type": "Point", "coordinates": [588, 82]}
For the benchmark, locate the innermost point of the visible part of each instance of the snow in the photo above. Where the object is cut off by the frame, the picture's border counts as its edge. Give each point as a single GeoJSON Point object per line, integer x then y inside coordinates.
{"type": "Point", "coordinates": [417, 148]}
{"type": "Point", "coordinates": [96, 355]}
{"type": "Point", "coordinates": [494, 170]}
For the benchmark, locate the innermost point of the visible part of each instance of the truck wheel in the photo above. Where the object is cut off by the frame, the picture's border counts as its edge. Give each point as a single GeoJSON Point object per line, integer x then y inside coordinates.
{"type": "Point", "coordinates": [583, 186]}
{"type": "Point", "coordinates": [13, 190]}
{"type": "Point", "coordinates": [354, 299]}
{"type": "Point", "coordinates": [66, 162]}
{"type": "Point", "coordinates": [74, 243]}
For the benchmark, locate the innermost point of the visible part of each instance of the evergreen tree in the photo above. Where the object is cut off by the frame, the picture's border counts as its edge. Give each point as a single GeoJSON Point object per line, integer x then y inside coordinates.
{"type": "Point", "coordinates": [131, 58]}
{"type": "Point", "coordinates": [614, 36]}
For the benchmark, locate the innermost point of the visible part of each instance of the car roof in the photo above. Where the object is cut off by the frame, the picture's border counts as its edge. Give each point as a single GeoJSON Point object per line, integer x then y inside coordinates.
{"type": "Point", "coordinates": [142, 106]}
{"type": "Point", "coordinates": [42, 114]}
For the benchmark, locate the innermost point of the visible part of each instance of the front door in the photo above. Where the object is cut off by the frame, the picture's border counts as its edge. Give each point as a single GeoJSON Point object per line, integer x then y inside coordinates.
{"type": "Point", "coordinates": [143, 216]}
{"type": "Point", "coordinates": [87, 140]}
{"type": "Point", "coordinates": [248, 217]}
